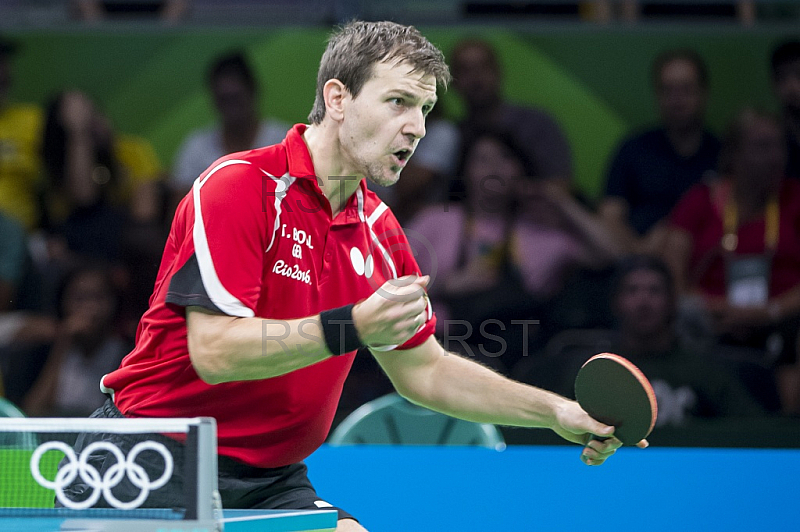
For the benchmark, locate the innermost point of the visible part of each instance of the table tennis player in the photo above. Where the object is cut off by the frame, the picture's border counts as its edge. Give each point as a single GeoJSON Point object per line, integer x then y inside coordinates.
{"type": "Point", "coordinates": [281, 265]}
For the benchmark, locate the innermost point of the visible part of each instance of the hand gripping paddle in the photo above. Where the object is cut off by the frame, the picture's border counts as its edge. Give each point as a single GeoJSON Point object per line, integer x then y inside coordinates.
{"type": "Point", "coordinates": [615, 392]}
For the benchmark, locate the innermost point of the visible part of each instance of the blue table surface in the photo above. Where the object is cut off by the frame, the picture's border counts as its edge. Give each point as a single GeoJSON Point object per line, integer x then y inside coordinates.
{"type": "Point", "coordinates": [469, 489]}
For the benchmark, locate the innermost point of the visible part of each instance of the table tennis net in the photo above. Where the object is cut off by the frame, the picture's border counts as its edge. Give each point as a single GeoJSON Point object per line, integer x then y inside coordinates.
{"type": "Point", "coordinates": [150, 468]}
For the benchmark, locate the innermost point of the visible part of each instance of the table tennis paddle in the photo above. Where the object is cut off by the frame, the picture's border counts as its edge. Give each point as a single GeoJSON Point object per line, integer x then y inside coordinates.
{"type": "Point", "coordinates": [614, 391]}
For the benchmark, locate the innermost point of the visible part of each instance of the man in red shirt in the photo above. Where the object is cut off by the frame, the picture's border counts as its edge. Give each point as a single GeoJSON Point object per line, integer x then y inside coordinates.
{"type": "Point", "coordinates": [735, 241]}
{"type": "Point", "coordinates": [277, 270]}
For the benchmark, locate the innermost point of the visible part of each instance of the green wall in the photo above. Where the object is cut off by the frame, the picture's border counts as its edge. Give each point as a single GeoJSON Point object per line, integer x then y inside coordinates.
{"type": "Point", "coordinates": [596, 82]}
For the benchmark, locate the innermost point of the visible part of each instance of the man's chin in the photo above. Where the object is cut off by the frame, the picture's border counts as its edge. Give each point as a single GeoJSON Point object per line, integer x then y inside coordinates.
{"type": "Point", "coordinates": [384, 181]}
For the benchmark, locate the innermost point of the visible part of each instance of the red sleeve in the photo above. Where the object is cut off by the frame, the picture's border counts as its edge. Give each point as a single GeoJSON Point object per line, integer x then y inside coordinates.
{"type": "Point", "coordinates": [692, 211]}
{"type": "Point", "coordinates": [398, 247]}
{"type": "Point", "coordinates": [229, 228]}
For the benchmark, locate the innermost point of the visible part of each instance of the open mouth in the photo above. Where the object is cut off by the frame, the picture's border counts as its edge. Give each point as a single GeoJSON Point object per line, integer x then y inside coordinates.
{"type": "Point", "coordinates": [402, 155]}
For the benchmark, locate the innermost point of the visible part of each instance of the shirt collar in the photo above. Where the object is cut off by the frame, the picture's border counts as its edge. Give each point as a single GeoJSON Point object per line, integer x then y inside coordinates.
{"type": "Point", "coordinates": [302, 167]}
{"type": "Point", "coordinates": [300, 163]}
{"type": "Point", "coordinates": [350, 213]}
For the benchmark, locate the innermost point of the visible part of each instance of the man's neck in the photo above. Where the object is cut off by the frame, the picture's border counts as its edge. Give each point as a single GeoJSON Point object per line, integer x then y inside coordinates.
{"type": "Point", "coordinates": [90, 345]}
{"type": "Point", "coordinates": [241, 137]}
{"type": "Point", "coordinates": [686, 141]}
{"type": "Point", "coordinates": [485, 114]}
{"type": "Point", "coordinates": [661, 341]}
{"type": "Point", "coordinates": [337, 181]}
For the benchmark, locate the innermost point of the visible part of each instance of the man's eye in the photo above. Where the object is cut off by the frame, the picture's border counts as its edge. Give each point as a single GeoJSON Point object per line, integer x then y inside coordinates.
{"type": "Point", "coordinates": [397, 101]}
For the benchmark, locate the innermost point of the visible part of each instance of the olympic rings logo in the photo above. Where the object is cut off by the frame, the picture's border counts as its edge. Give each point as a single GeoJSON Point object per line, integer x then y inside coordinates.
{"type": "Point", "coordinates": [91, 476]}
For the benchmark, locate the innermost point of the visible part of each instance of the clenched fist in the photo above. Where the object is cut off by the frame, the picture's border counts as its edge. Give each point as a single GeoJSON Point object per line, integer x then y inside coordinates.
{"type": "Point", "coordinates": [393, 313]}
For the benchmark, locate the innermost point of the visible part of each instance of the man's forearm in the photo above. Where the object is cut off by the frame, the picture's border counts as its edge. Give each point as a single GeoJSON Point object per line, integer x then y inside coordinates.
{"type": "Point", "coordinates": [470, 391]}
{"type": "Point", "coordinates": [225, 348]}
{"type": "Point", "coordinates": [466, 390]}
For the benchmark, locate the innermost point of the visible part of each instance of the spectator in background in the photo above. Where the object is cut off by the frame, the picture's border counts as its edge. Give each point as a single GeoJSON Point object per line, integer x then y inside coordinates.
{"type": "Point", "coordinates": [235, 93]}
{"type": "Point", "coordinates": [786, 82]}
{"type": "Point", "coordinates": [97, 179]}
{"type": "Point", "coordinates": [86, 347]}
{"type": "Point", "coordinates": [83, 175]}
{"type": "Point", "coordinates": [691, 380]}
{"type": "Point", "coordinates": [105, 198]}
{"type": "Point", "coordinates": [735, 241]}
{"type": "Point", "coordinates": [651, 170]}
{"type": "Point", "coordinates": [508, 249]}
{"type": "Point", "coordinates": [688, 384]}
{"type": "Point", "coordinates": [20, 135]}
{"type": "Point", "coordinates": [13, 254]}
{"type": "Point", "coordinates": [477, 78]}
{"type": "Point", "coordinates": [25, 331]}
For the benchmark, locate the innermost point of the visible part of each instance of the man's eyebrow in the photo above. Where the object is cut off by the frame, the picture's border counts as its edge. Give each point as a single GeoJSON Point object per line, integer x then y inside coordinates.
{"type": "Point", "coordinates": [411, 96]}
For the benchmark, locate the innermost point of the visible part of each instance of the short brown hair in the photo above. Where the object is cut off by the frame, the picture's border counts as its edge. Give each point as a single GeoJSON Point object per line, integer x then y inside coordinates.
{"type": "Point", "coordinates": [478, 44]}
{"type": "Point", "coordinates": [233, 64]}
{"type": "Point", "coordinates": [355, 47]}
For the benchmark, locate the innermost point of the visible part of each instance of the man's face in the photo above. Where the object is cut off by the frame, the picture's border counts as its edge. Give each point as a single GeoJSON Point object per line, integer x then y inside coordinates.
{"type": "Point", "coordinates": [475, 77]}
{"type": "Point", "coordinates": [381, 126]}
{"type": "Point", "coordinates": [233, 99]}
{"type": "Point", "coordinates": [88, 296]}
{"type": "Point", "coordinates": [492, 172]}
{"type": "Point", "coordinates": [787, 86]}
{"type": "Point", "coordinates": [761, 159]}
{"type": "Point", "coordinates": [643, 304]}
{"type": "Point", "coordinates": [681, 97]}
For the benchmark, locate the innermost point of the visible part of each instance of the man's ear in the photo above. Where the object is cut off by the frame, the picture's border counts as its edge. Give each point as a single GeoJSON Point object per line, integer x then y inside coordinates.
{"type": "Point", "coordinates": [335, 94]}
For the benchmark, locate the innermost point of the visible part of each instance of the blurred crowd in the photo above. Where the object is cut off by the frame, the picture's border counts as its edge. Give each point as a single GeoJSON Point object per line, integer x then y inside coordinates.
{"type": "Point", "coordinates": [689, 264]}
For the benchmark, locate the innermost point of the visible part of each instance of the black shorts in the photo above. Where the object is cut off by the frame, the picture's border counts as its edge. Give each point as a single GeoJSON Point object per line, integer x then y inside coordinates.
{"type": "Point", "coordinates": [241, 486]}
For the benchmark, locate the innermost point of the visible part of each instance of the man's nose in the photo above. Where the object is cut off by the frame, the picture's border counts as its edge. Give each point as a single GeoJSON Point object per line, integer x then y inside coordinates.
{"type": "Point", "coordinates": [415, 127]}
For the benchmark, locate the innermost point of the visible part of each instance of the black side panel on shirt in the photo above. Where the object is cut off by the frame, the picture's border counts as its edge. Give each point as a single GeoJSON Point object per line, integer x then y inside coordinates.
{"type": "Point", "coordinates": [186, 287]}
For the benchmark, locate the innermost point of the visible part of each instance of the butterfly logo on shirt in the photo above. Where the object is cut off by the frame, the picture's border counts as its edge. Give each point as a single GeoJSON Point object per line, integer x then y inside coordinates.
{"type": "Point", "coordinates": [361, 265]}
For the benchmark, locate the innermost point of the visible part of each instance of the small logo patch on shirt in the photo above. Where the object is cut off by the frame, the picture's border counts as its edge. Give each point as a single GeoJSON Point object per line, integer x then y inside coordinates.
{"type": "Point", "coordinates": [361, 265]}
